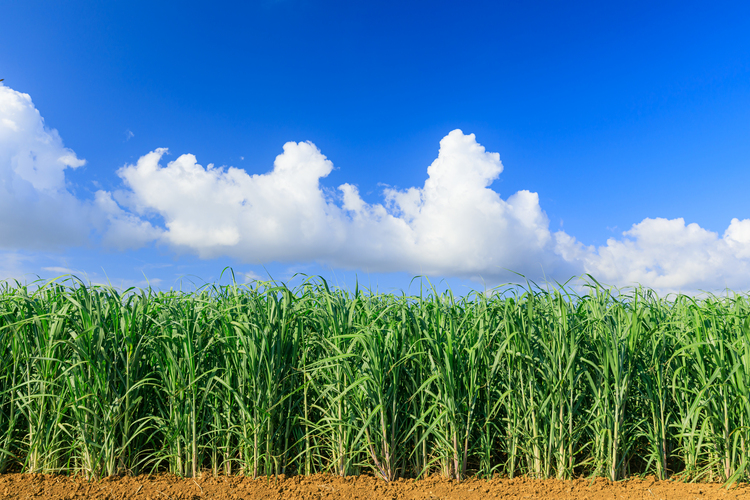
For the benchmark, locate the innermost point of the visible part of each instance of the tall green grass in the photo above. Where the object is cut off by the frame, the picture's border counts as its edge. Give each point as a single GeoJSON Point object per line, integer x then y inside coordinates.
{"type": "Point", "coordinates": [261, 379]}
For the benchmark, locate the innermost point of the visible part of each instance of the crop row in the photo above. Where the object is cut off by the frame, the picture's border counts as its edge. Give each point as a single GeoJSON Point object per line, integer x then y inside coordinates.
{"type": "Point", "coordinates": [261, 379]}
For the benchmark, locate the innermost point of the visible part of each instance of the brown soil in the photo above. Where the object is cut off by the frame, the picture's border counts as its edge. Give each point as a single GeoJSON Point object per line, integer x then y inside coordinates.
{"type": "Point", "coordinates": [163, 487]}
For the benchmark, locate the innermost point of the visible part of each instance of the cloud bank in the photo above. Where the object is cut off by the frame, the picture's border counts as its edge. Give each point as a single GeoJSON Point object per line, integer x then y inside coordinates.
{"type": "Point", "coordinates": [455, 224]}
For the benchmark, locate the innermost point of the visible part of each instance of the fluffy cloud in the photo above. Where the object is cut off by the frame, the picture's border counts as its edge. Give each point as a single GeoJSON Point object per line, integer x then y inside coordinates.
{"type": "Point", "coordinates": [453, 225]}
{"type": "Point", "coordinates": [282, 215]}
{"type": "Point", "coordinates": [669, 255]}
{"type": "Point", "coordinates": [36, 209]}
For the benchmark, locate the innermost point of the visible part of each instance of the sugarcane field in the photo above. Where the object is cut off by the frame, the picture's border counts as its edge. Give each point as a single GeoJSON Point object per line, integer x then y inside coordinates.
{"type": "Point", "coordinates": [273, 389]}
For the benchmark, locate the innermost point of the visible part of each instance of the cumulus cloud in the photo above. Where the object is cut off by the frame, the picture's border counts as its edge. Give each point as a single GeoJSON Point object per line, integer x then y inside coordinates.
{"type": "Point", "coordinates": [668, 255]}
{"type": "Point", "coordinates": [283, 215]}
{"type": "Point", "coordinates": [36, 209]}
{"type": "Point", "coordinates": [453, 225]}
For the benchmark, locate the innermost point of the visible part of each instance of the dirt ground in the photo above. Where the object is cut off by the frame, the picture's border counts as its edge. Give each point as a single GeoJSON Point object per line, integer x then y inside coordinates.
{"type": "Point", "coordinates": [322, 487]}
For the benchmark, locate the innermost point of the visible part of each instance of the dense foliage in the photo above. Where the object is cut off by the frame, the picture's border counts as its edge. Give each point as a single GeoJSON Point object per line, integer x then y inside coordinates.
{"type": "Point", "coordinates": [261, 379]}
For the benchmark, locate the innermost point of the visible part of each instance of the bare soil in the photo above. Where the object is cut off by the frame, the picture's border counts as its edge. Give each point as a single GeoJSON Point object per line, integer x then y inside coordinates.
{"type": "Point", "coordinates": [324, 487]}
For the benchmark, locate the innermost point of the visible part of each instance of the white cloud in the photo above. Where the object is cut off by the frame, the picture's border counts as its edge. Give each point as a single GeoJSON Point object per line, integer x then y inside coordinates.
{"type": "Point", "coordinates": [669, 255]}
{"type": "Point", "coordinates": [453, 225]}
{"type": "Point", "coordinates": [282, 215]}
{"type": "Point", "coordinates": [36, 209]}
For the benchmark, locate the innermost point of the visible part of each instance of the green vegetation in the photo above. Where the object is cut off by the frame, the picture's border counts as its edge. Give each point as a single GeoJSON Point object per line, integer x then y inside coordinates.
{"type": "Point", "coordinates": [260, 379]}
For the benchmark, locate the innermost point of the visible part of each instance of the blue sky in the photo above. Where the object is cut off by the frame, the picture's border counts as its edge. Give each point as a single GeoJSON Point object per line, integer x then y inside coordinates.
{"type": "Point", "coordinates": [608, 117]}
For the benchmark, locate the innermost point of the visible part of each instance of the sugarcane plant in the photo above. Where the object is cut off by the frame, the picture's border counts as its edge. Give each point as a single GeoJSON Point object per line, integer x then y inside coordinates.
{"type": "Point", "coordinates": [261, 379]}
